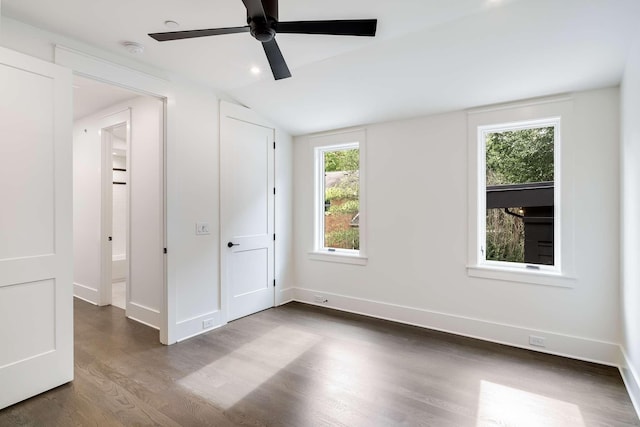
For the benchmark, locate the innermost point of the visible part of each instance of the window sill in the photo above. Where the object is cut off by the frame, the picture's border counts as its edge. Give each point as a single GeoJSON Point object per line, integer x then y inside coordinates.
{"type": "Point", "coordinates": [546, 278]}
{"type": "Point", "coordinates": [338, 257]}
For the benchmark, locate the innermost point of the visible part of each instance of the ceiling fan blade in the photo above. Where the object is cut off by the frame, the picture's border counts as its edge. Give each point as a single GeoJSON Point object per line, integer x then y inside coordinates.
{"type": "Point", "coordinates": [345, 27]}
{"type": "Point", "coordinates": [254, 8]}
{"type": "Point", "coordinates": [179, 35]}
{"type": "Point", "coordinates": [276, 60]}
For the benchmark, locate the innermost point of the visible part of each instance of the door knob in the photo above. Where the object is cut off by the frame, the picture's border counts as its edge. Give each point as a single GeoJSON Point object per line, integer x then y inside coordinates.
{"type": "Point", "coordinates": [230, 244]}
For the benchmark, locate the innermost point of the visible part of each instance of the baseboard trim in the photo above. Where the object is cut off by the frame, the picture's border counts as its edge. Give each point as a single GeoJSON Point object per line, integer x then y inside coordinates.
{"type": "Point", "coordinates": [558, 344]}
{"type": "Point", "coordinates": [144, 315]}
{"type": "Point", "coordinates": [631, 381]}
{"type": "Point", "coordinates": [284, 296]}
{"type": "Point", "coordinates": [189, 328]}
{"type": "Point", "coordinates": [85, 293]}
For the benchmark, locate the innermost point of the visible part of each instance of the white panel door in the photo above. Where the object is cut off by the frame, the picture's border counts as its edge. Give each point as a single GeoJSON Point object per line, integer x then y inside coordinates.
{"type": "Point", "coordinates": [247, 215]}
{"type": "Point", "coordinates": [36, 259]}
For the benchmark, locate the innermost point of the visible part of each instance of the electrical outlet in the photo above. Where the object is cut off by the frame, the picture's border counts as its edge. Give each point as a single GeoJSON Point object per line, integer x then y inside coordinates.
{"type": "Point", "coordinates": [320, 299]}
{"type": "Point", "coordinates": [207, 323]}
{"type": "Point", "coordinates": [202, 228]}
{"type": "Point", "coordinates": [537, 341]}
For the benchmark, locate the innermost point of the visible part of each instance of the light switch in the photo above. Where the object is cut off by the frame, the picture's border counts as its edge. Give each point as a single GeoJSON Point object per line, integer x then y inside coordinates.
{"type": "Point", "coordinates": [202, 228]}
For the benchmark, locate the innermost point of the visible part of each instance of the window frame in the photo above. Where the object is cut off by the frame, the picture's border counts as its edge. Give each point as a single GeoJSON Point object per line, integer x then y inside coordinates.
{"type": "Point", "coordinates": [503, 116]}
{"type": "Point", "coordinates": [483, 131]}
{"type": "Point", "coordinates": [330, 143]}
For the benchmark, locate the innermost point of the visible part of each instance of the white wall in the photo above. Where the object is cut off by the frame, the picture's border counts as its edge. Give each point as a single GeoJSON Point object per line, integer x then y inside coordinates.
{"type": "Point", "coordinates": [145, 184]}
{"type": "Point", "coordinates": [86, 210]}
{"type": "Point", "coordinates": [192, 196]}
{"type": "Point", "coordinates": [417, 238]}
{"type": "Point", "coordinates": [146, 263]}
{"type": "Point", "coordinates": [630, 224]}
{"type": "Point", "coordinates": [284, 218]}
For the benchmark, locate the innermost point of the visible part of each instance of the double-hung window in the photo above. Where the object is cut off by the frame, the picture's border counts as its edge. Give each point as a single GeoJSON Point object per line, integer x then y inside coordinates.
{"type": "Point", "coordinates": [339, 208]}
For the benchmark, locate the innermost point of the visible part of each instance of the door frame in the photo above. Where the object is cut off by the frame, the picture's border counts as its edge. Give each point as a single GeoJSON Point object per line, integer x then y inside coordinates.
{"type": "Point", "coordinates": [229, 111]}
{"type": "Point", "coordinates": [106, 209]}
{"type": "Point", "coordinates": [95, 68]}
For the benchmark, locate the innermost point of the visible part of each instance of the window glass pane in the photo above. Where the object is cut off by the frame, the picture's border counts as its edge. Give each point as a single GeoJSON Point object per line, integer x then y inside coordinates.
{"type": "Point", "coordinates": [342, 199]}
{"type": "Point", "coordinates": [520, 195]}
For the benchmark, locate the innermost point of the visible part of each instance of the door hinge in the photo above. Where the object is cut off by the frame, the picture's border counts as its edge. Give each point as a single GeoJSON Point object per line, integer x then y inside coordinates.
{"type": "Point", "coordinates": [274, 145]}
{"type": "Point", "coordinates": [274, 236]}
{"type": "Point", "coordinates": [274, 190]}
{"type": "Point", "coordinates": [164, 250]}
{"type": "Point", "coordinates": [274, 283]}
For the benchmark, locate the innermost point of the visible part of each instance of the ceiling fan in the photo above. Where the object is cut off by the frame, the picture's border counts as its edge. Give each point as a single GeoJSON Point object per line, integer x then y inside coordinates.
{"type": "Point", "coordinates": [263, 24]}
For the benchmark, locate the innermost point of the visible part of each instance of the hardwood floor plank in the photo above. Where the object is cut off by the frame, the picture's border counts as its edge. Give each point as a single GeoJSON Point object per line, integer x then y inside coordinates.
{"type": "Point", "coordinates": [300, 365]}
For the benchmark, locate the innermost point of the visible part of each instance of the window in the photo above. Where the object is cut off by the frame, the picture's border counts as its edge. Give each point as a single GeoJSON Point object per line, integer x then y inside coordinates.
{"type": "Point", "coordinates": [341, 190]}
{"type": "Point", "coordinates": [521, 207]}
{"type": "Point", "coordinates": [338, 192]}
{"type": "Point", "coordinates": [517, 187]}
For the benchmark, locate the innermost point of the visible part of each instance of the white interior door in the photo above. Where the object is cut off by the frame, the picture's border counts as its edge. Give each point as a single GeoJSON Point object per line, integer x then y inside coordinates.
{"type": "Point", "coordinates": [36, 258]}
{"type": "Point", "coordinates": [247, 212]}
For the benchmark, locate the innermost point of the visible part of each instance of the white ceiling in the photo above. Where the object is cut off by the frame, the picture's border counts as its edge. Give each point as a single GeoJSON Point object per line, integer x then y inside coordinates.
{"type": "Point", "coordinates": [90, 96]}
{"type": "Point", "coordinates": [429, 56]}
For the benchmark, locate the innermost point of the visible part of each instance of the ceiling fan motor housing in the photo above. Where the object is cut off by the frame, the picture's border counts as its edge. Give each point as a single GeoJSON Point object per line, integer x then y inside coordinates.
{"type": "Point", "coordinates": [263, 30]}
{"type": "Point", "coordinates": [263, 27]}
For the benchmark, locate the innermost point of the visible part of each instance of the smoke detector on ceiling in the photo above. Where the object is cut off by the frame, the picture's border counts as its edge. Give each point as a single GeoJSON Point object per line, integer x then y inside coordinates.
{"type": "Point", "coordinates": [133, 47]}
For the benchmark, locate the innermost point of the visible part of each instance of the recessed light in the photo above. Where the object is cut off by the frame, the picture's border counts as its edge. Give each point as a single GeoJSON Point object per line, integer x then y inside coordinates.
{"type": "Point", "coordinates": [172, 25]}
{"type": "Point", "coordinates": [133, 47]}
{"type": "Point", "coordinates": [255, 70]}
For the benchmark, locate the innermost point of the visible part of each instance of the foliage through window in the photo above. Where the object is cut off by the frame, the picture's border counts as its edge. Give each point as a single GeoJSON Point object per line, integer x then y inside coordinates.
{"type": "Point", "coordinates": [519, 191]}
{"type": "Point", "coordinates": [341, 189]}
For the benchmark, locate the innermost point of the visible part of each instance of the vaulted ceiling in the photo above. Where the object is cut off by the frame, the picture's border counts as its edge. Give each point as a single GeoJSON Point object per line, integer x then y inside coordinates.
{"type": "Point", "coordinates": [429, 56]}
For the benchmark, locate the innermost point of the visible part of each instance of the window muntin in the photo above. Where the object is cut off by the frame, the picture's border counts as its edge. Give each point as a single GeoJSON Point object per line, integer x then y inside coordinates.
{"type": "Point", "coordinates": [518, 194]}
{"type": "Point", "coordinates": [339, 191]}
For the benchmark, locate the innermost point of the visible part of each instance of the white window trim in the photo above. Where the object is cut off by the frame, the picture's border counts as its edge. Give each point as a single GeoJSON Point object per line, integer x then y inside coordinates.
{"type": "Point", "coordinates": [334, 142]}
{"type": "Point", "coordinates": [343, 258]}
{"type": "Point", "coordinates": [551, 112]}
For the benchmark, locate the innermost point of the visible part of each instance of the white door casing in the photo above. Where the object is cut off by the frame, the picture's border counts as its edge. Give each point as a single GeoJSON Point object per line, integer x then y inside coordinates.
{"type": "Point", "coordinates": [247, 211]}
{"type": "Point", "coordinates": [36, 258]}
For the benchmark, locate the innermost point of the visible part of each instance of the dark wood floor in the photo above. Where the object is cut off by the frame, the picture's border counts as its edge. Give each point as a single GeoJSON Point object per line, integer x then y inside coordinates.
{"type": "Point", "coordinates": [299, 365]}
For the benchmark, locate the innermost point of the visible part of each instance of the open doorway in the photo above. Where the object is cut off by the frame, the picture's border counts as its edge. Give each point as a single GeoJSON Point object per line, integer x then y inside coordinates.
{"type": "Point", "coordinates": [119, 199]}
{"type": "Point", "coordinates": [120, 214]}
{"type": "Point", "coordinates": [115, 140]}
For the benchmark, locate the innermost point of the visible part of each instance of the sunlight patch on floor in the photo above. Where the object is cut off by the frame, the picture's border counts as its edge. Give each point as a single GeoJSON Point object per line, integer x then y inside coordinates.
{"type": "Point", "coordinates": [227, 380]}
{"type": "Point", "coordinates": [500, 405]}
{"type": "Point", "coordinates": [343, 368]}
